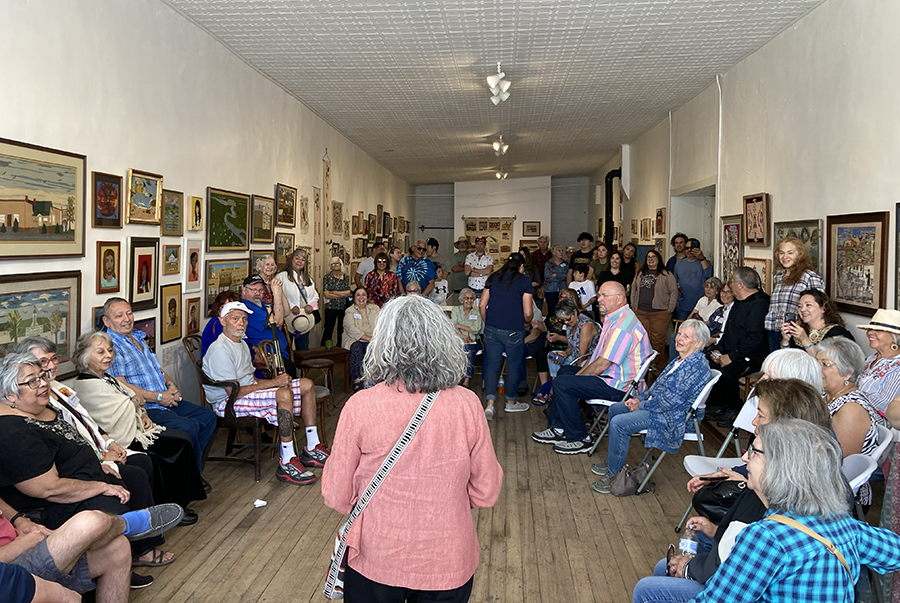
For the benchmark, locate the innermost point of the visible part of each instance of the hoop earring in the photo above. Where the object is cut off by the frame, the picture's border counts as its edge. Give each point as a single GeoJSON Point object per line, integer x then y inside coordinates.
{"type": "Point", "coordinates": [846, 383]}
{"type": "Point", "coordinates": [895, 347]}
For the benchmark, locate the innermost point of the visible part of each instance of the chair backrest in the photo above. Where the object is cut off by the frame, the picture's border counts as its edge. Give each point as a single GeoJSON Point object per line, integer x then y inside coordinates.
{"type": "Point", "coordinates": [703, 396]}
{"type": "Point", "coordinates": [858, 468]}
{"type": "Point", "coordinates": [748, 412]}
{"type": "Point", "coordinates": [885, 439]}
{"type": "Point", "coordinates": [641, 374]}
{"type": "Point", "coordinates": [267, 349]}
{"type": "Point", "coordinates": [193, 344]}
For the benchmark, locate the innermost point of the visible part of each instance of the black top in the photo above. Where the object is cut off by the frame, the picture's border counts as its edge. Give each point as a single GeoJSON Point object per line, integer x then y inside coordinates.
{"type": "Point", "coordinates": [621, 278]}
{"type": "Point", "coordinates": [581, 257]}
{"type": "Point", "coordinates": [505, 309]}
{"type": "Point", "coordinates": [834, 331]}
{"type": "Point", "coordinates": [745, 332]}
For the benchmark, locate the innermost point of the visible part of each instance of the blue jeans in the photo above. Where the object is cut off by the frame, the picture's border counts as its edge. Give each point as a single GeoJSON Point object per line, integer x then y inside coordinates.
{"type": "Point", "coordinates": [472, 354]}
{"type": "Point", "coordinates": [497, 341]}
{"type": "Point", "coordinates": [198, 422]}
{"type": "Point", "coordinates": [568, 389]}
{"type": "Point", "coordinates": [623, 423]}
{"type": "Point", "coordinates": [660, 587]}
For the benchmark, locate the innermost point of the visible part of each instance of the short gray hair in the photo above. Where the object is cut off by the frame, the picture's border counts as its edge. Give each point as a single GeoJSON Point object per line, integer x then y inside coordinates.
{"type": "Point", "coordinates": [566, 309]}
{"type": "Point", "coordinates": [336, 260]}
{"type": "Point", "coordinates": [29, 343]}
{"type": "Point", "coordinates": [260, 260]}
{"type": "Point", "coordinates": [701, 331]}
{"type": "Point", "coordinates": [847, 356]}
{"type": "Point", "coordinates": [793, 364]}
{"type": "Point", "coordinates": [713, 281]}
{"type": "Point", "coordinates": [414, 343]}
{"type": "Point", "coordinates": [414, 283]}
{"type": "Point", "coordinates": [464, 292]}
{"type": "Point", "coordinates": [82, 354]}
{"type": "Point", "coordinates": [110, 302]}
{"type": "Point", "coordinates": [9, 371]}
{"type": "Point", "coordinates": [803, 470]}
{"type": "Point", "coordinates": [748, 277]}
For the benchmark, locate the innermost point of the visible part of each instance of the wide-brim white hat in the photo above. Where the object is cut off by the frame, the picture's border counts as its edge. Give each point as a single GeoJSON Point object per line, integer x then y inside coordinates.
{"type": "Point", "coordinates": [301, 323]}
{"type": "Point", "coordinates": [884, 320]}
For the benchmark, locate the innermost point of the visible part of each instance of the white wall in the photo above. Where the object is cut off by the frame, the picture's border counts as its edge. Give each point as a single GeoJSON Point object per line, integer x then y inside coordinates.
{"type": "Point", "coordinates": [528, 199]}
{"type": "Point", "coordinates": [134, 85]}
{"type": "Point", "coordinates": [695, 142]}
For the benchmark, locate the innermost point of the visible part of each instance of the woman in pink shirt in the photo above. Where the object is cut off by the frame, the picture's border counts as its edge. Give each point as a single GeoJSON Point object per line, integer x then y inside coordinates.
{"type": "Point", "coordinates": [416, 535]}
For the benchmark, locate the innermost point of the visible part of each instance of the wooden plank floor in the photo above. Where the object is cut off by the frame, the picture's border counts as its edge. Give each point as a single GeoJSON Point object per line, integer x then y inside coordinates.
{"type": "Point", "coordinates": [548, 538]}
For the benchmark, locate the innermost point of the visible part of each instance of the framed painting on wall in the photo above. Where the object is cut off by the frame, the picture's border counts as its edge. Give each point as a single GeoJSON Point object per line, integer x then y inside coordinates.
{"type": "Point", "coordinates": [172, 224]}
{"type": "Point", "coordinates": [228, 220]}
{"type": "Point", "coordinates": [634, 227]}
{"type": "Point", "coordinates": [372, 229]}
{"type": "Point", "coordinates": [224, 275]}
{"type": "Point", "coordinates": [386, 227]}
{"type": "Point", "coordinates": [660, 221]}
{"type": "Point", "coordinates": [284, 245]}
{"type": "Point", "coordinates": [195, 221]}
{"type": "Point", "coordinates": [808, 231]}
{"type": "Point", "coordinates": [646, 234]}
{"type": "Point", "coordinates": [531, 229]}
{"type": "Point", "coordinates": [857, 261]}
{"type": "Point", "coordinates": [286, 197]}
{"type": "Point", "coordinates": [757, 220]}
{"type": "Point", "coordinates": [337, 217]}
{"type": "Point", "coordinates": [171, 259]}
{"type": "Point", "coordinates": [108, 266]}
{"type": "Point", "coordinates": [171, 312]}
{"type": "Point", "coordinates": [97, 319]}
{"type": "Point", "coordinates": [732, 245]}
{"type": "Point", "coordinates": [193, 260]}
{"type": "Point", "coordinates": [191, 315]}
{"type": "Point", "coordinates": [263, 222]}
{"type": "Point", "coordinates": [354, 224]}
{"type": "Point", "coordinates": [764, 269]}
{"type": "Point", "coordinates": [147, 326]}
{"type": "Point", "coordinates": [380, 218]}
{"type": "Point", "coordinates": [41, 201]}
{"type": "Point", "coordinates": [143, 255]}
{"type": "Point", "coordinates": [106, 200]}
{"type": "Point", "coordinates": [142, 203]}
{"type": "Point", "coordinates": [46, 304]}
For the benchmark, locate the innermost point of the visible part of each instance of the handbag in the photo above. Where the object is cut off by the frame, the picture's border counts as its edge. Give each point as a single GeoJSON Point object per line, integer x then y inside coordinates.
{"type": "Point", "coordinates": [626, 481]}
{"type": "Point", "coordinates": [713, 500]}
{"type": "Point", "coordinates": [334, 580]}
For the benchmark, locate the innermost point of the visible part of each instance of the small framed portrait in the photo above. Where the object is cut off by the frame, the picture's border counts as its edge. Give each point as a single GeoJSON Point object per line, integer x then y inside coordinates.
{"type": "Point", "coordinates": [97, 319]}
{"type": "Point", "coordinates": [386, 227]}
{"type": "Point", "coordinates": [193, 261]}
{"type": "Point", "coordinates": [142, 203]}
{"type": "Point", "coordinates": [757, 220]}
{"type": "Point", "coordinates": [660, 226]}
{"type": "Point", "coordinates": [354, 228]}
{"type": "Point", "coordinates": [262, 222]}
{"type": "Point", "coordinates": [147, 326]}
{"type": "Point", "coordinates": [195, 214]}
{"type": "Point", "coordinates": [380, 222]}
{"type": "Point", "coordinates": [171, 312]}
{"type": "Point", "coordinates": [172, 224]}
{"type": "Point", "coordinates": [286, 196]}
{"type": "Point", "coordinates": [284, 245]}
{"type": "Point", "coordinates": [531, 229]}
{"type": "Point", "coordinates": [143, 255]}
{"type": "Point", "coordinates": [106, 200]}
{"type": "Point", "coordinates": [171, 259]}
{"type": "Point", "coordinates": [191, 315]}
{"type": "Point", "coordinates": [108, 266]}
{"type": "Point", "coordinates": [372, 226]}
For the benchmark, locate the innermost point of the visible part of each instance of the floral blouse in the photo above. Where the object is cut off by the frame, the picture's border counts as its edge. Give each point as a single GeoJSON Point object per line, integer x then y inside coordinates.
{"type": "Point", "coordinates": [381, 288]}
{"type": "Point", "coordinates": [336, 284]}
{"type": "Point", "coordinates": [555, 276]}
{"type": "Point", "coordinates": [880, 380]}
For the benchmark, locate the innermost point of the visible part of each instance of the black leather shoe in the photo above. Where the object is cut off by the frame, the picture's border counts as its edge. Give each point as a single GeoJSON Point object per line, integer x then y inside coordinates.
{"type": "Point", "coordinates": [207, 487]}
{"type": "Point", "coordinates": [727, 419]}
{"type": "Point", "coordinates": [189, 519]}
{"type": "Point", "coordinates": [714, 414]}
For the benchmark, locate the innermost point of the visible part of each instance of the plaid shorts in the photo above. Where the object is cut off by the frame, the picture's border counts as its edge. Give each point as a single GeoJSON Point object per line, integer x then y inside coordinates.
{"type": "Point", "coordinates": [261, 403]}
{"type": "Point", "coordinates": [37, 560]}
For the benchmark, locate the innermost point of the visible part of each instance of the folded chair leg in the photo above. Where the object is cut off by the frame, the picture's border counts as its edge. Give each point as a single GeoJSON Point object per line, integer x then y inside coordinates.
{"type": "Point", "coordinates": [683, 518]}
{"type": "Point", "coordinates": [699, 436]}
{"type": "Point", "coordinates": [605, 411]}
{"type": "Point", "coordinates": [652, 470]}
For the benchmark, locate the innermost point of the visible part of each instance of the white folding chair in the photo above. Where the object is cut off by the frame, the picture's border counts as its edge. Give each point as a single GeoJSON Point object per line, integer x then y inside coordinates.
{"type": "Point", "coordinates": [642, 372]}
{"type": "Point", "coordinates": [858, 468]}
{"type": "Point", "coordinates": [885, 439]}
{"type": "Point", "coordinates": [698, 405]}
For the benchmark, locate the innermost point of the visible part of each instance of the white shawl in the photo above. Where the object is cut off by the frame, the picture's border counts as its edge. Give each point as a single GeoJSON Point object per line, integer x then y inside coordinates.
{"type": "Point", "coordinates": [115, 412]}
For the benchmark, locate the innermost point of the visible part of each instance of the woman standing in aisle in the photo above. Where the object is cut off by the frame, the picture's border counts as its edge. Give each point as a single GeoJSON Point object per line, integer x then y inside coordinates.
{"type": "Point", "coordinates": [796, 276]}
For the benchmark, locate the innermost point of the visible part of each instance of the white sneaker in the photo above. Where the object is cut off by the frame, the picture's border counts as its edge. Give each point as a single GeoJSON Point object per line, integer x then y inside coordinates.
{"type": "Point", "coordinates": [489, 412]}
{"type": "Point", "coordinates": [517, 407]}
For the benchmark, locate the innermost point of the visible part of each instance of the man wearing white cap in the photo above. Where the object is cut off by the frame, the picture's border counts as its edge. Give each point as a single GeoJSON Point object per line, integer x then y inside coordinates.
{"type": "Point", "coordinates": [276, 400]}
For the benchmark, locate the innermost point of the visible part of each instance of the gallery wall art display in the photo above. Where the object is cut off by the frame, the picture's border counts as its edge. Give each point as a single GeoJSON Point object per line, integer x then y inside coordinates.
{"type": "Point", "coordinates": [263, 219]}
{"type": "Point", "coordinates": [195, 214]}
{"type": "Point", "coordinates": [143, 254]}
{"type": "Point", "coordinates": [170, 315]}
{"type": "Point", "coordinates": [660, 226]}
{"type": "Point", "coordinates": [354, 224]}
{"type": "Point", "coordinates": [228, 220]}
{"type": "Point", "coordinates": [42, 201]}
{"type": "Point", "coordinates": [634, 227]}
{"type": "Point", "coordinates": [646, 225]}
{"type": "Point", "coordinates": [109, 256]}
{"type": "Point", "coordinates": [857, 248]}
{"type": "Point", "coordinates": [284, 245]}
{"type": "Point", "coordinates": [106, 200]}
{"type": "Point", "coordinates": [373, 227]}
{"type": "Point", "coordinates": [193, 264]}
{"type": "Point", "coordinates": [386, 226]}
{"type": "Point", "coordinates": [191, 315]}
{"type": "Point", "coordinates": [286, 198]}
{"type": "Point", "coordinates": [224, 275]}
{"type": "Point", "coordinates": [147, 326]}
{"type": "Point", "coordinates": [380, 219]}
{"type": "Point", "coordinates": [531, 229]}
{"type": "Point", "coordinates": [171, 259]}
{"type": "Point", "coordinates": [757, 220]}
{"type": "Point", "coordinates": [304, 214]}
{"type": "Point", "coordinates": [732, 245]}
{"type": "Point", "coordinates": [142, 201]}
{"type": "Point", "coordinates": [326, 178]}
{"type": "Point", "coordinates": [43, 304]}
{"type": "Point", "coordinates": [808, 231]}
{"type": "Point", "coordinates": [172, 214]}
{"type": "Point", "coordinates": [96, 319]}
{"type": "Point", "coordinates": [337, 217]}
{"type": "Point", "coordinates": [764, 269]}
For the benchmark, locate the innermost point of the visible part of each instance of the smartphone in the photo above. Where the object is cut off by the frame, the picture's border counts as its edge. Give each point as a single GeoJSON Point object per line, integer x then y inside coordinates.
{"type": "Point", "coordinates": [790, 317]}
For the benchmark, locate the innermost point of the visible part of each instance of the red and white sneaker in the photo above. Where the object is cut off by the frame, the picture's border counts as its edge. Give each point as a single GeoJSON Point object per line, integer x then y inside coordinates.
{"type": "Point", "coordinates": [314, 458]}
{"type": "Point", "coordinates": [293, 472]}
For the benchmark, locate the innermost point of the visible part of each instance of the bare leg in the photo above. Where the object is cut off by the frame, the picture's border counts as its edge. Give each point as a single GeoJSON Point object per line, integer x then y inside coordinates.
{"type": "Point", "coordinates": [51, 592]}
{"type": "Point", "coordinates": [111, 568]}
{"type": "Point", "coordinates": [544, 377]}
{"type": "Point", "coordinates": [308, 403]}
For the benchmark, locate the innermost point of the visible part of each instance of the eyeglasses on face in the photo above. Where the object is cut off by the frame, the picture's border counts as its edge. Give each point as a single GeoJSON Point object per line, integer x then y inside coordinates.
{"type": "Point", "coordinates": [753, 450]}
{"type": "Point", "coordinates": [45, 362]}
{"type": "Point", "coordinates": [33, 382]}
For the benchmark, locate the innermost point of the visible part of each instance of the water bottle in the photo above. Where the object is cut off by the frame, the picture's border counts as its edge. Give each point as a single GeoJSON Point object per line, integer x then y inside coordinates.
{"type": "Point", "coordinates": [501, 387]}
{"type": "Point", "coordinates": [688, 543]}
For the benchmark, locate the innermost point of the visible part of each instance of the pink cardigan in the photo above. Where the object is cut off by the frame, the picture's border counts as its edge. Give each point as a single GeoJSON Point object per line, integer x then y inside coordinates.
{"type": "Point", "coordinates": [417, 531]}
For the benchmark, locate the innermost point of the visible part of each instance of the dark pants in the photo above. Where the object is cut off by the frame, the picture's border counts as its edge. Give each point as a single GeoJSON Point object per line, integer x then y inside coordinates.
{"type": "Point", "coordinates": [568, 389]}
{"type": "Point", "coordinates": [359, 588]}
{"type": "Point", "coordinates": [198, 422]}
{"type": "Point", "coordinates": [357, 355]}
{"type": "Point", "coordinates": [175, 475]}
{"type": "Point", "coordinates": [727, 390]}
{"type": "Point", "coordinates": [333, 317]}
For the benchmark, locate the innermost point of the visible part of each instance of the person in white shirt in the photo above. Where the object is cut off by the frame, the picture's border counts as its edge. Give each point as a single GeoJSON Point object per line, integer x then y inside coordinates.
{"type": "Point", "coordinates": [479, 266]}
{"type": "Point", "coordinates": [368, 265]}
{"type": "Point", "coordinates": [585, 289]}
{"type": "Point", "coordinates": [300, 295]}
{"type": "Point", "coordinates": [441, 288]}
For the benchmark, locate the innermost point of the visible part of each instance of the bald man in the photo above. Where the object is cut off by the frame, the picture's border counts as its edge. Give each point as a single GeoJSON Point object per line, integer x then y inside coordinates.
{"type": "Point", "coordinates": [622, 348]}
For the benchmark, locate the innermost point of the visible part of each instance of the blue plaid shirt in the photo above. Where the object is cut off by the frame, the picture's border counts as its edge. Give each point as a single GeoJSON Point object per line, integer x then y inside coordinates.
{"type": "Point", "coordinates": [774, 562]}
{"type": "Point", "coordinates": [137, 365]}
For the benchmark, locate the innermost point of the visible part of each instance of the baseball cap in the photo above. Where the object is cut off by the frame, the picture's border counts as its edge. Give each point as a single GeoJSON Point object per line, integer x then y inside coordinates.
{"type": "Point", "coordinates": [234, 306]}
{"type": "Point", "coordinates": [481, 239]}
{"type": "Point", "coordinates": [253, 279]}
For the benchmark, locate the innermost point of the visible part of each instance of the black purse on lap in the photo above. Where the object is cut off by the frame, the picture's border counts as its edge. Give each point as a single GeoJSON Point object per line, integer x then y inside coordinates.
{"type": "Point", "coordinates": [713, 500]}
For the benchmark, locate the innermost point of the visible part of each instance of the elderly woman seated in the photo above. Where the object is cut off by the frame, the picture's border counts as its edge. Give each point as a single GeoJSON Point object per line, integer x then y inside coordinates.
{"type": "Point", "coordinates": [662, 409]}
{"type": "Point", "coordinates": [795, 469]}
{"type": "Point", "coordinates": [120, 412]}
{"type": "Point", "coordinates": [467, 321]}
{"type": "Point", "coordinates": [359, 325]}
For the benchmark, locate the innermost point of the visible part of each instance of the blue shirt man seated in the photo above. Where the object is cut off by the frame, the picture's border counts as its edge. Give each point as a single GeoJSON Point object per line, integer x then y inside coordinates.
{"type": "Point", "coordinates": [138, 368]}
{"type": "Point", "coordinates": [258, 323]}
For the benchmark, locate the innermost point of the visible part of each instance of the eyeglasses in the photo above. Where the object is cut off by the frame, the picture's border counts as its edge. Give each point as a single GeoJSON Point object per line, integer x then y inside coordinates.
{"type": "Point", "coordinates": [752, 450]}
{"type": "Point", "coordinates": [421, 249]}
{"type": "Point", "coordinates": [45, 362]}
{"type": "Point", "coordinates": [33, 382]}
{"type": "Point", "coordinates": [610, 295]}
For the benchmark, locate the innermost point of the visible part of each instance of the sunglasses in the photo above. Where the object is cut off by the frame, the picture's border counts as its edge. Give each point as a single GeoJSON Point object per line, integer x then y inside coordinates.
{"type": "Point", "coordinates": [421, 249]}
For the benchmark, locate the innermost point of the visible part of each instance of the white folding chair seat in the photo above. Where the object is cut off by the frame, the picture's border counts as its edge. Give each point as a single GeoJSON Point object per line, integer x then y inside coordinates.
{"type": "Point", "coordinates": [858, 468]}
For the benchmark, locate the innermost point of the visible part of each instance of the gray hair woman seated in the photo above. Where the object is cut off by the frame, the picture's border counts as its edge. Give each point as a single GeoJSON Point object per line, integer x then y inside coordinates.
{"type": "Point", "coordinates": [795, 469]}
{"type": "Point", "coordinates": [417, 532]}
{"type": "Point", "coordinates": [467, 321]}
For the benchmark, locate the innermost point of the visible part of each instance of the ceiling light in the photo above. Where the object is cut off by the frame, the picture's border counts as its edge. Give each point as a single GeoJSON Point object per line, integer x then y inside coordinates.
{"type": "Point", "coordinates": [493, 80]}
{"type": "Point", "coordinates": [501, 174]}
{"type": "Point", "coordinates": [499, 86]}
{"type": "Point", "coordinates": [500, 147]}
{"type": "Point", "coordinates": [499, 98]}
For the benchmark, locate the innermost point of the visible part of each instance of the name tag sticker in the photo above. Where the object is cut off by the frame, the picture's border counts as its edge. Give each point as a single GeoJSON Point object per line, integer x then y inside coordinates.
{"type": "Point", "coordinates": [357, 316]}
{"type": "Point", "coordinates": [473, 317]}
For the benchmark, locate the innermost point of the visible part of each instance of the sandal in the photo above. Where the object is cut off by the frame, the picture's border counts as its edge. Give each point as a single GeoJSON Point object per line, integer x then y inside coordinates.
{"type": "Point", "coordinates": [540, 399]}
{"type": "Point", "coordinates": [157, 559]}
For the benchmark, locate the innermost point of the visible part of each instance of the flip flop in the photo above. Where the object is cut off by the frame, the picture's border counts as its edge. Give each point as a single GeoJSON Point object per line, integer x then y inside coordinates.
{"type": "Point", "coordinates": [156, 560]}
{"type": "Point", "coordinates": [540, 399]}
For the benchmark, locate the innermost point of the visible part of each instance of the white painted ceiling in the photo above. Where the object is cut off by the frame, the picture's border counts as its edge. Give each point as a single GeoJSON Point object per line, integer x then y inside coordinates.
{"type": "Point", "coordinates": [405, 79]}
